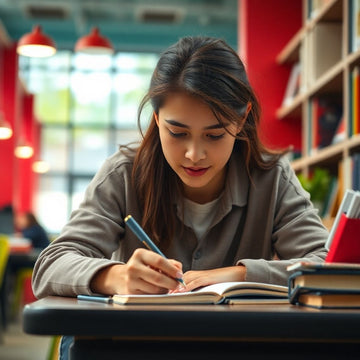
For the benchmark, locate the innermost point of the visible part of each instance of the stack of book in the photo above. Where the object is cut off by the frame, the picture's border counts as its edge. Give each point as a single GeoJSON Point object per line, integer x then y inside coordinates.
{"type": "Point", "coordinates": [336, 282]}
{"type": "Point", "coordinates": [325, 285]}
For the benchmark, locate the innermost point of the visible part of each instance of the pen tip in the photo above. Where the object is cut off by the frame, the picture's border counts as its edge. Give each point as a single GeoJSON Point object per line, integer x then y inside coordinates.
{"type": "Point", "coordinates": [127, 218]}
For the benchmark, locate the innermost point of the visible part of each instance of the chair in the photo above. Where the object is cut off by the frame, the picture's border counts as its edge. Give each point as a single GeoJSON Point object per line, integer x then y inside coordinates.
{"type": "Point", "coordinates": [23, 293]}
{"type": "Point", "coordinates": [53, 352]}
{"type": "Point", "coordinates": [4, 255]}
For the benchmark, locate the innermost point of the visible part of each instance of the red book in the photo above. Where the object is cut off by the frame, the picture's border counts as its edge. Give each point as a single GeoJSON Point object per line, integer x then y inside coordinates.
{"type": "Point", "coordinates": [345, 246]}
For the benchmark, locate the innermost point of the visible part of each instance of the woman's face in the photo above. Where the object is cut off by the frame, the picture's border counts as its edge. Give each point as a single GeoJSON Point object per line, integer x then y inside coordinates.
{"type": "Point", "coordinates": [21, 221]}
{"type": "Point", "coordinates": [195, 145]}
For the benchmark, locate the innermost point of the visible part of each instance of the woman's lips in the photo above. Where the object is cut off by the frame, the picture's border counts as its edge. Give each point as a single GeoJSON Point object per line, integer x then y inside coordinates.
{"type": "Point", "coordinates": [195, 171]}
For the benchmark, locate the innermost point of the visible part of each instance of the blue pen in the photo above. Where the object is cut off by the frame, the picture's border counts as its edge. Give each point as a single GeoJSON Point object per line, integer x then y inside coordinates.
{"type": "Point", "coordinates": [102, 299]}
{"type": "Point", "coordinates": [143, 237]}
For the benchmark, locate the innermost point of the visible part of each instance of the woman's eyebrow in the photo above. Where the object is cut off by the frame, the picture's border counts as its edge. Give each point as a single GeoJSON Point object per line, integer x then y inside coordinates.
{"type": "Point", "coordinates": [179, 124]}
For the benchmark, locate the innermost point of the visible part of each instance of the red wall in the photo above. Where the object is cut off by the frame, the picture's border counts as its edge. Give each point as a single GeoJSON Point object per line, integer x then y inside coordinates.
{"type": "Point", "coordinates": [17, 179]}
{"type": "Point", "coordinates": [7, 104]}
{"type": "Point", "coordinates": [264, 29]}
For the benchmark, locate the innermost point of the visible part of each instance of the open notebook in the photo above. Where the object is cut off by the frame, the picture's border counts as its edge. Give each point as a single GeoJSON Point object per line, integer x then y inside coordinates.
{"type": "Point", "coordinates": [213, 294]}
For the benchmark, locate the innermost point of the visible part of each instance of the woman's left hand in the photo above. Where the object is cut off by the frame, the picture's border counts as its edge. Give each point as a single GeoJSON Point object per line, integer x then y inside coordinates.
{"type": "Point", "coordinates": [199, 278]}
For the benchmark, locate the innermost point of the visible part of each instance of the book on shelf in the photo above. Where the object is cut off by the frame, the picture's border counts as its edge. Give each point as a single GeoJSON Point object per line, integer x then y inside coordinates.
{"type": "Point", "coordinates": [324, 49]}
{"type": "Point", "coordinates": [355, 25]}
{"type": "Point", "coordinates": [340, 132]}
{"type": "Point", "coordinates": [312, 283]}
{"type": "Point", "coordinates": [354, 98]}
{"type": "Point", "coordinates": [356, 171]}
{"type": "Point", "coordinates": [341, 191]}
{"type": "Point", "coordinates": [326, 114]}
{"type": "Point", "coordinates": [212, 294]}
{"type": "Point", "coordinates": [315, 6]}
{"type": "Point", "coordinates": [293, 85]}
{"type": "Point", "coordinates": [330, 198]}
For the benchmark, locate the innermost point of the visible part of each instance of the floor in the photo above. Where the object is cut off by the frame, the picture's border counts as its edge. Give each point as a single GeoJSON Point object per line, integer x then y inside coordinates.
{"type": "Point", "coordinates": [17, 345]}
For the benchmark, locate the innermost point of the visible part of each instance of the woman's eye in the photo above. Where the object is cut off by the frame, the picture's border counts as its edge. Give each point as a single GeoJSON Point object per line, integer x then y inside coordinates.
{"type": "Point", "coordinates": [215, 137]}
{"type": "Point", "coordinates": [176, 134]}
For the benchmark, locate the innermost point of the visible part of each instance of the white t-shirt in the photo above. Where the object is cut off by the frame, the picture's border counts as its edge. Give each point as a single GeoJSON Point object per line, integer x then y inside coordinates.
{"type": "Point", "coordinates": [199, 216]}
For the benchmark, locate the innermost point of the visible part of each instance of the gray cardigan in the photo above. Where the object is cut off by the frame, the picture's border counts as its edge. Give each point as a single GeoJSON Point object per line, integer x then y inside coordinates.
{"type": "Point", "coordinates": [265, 223]}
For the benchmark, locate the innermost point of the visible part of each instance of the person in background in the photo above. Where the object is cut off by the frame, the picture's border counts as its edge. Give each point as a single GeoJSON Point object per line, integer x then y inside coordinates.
{"type": "Point", "coordinates": [28, 227]}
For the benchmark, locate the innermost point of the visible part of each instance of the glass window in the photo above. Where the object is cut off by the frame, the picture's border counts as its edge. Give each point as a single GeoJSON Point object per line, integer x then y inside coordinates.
{"type": "Point", "coordinates": [60, 61]}
{"type": "Point", "coordinates": [129, 91]}
{"type": "Point", "coordinates": [87, 106]}
{"type": "Point", "coordinates": [125, 137]}
{"type": "Point", "coordinates": [91, 97]}
{"type": "Point", "coordinates": [55, 148]}
{"type": "Point", "coordinates": [79, 186]}
{"type": "Point", "coordinates": [90, 150]}
{"type": "Point", "coordinates": [136, 62]}
{"type": "Point", "coordinates": [52, 202]}
{"type": "Point", "coordinates": [52, 95]}
{"type": "Point", "coordinates": [92, 63]}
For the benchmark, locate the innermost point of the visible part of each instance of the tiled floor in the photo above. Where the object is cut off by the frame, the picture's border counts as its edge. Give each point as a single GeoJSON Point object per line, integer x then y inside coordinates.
{"type": "Point", "coordinates": [17, 345]}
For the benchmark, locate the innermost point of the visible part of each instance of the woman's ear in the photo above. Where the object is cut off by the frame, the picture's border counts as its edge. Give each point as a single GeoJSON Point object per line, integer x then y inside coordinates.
{"type": "Point", "coordinates": [156, 118]}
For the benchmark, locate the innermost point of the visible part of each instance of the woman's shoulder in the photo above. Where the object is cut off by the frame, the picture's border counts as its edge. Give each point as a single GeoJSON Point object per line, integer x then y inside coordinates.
{"type": "Point", "coordinates": [280, 162]}
{"type": "Point", "coordinates": [280, 167]}
{"type": "Point", "coordinates": [283, 163]}
{"type": "Point", "coordinates": [120, 163]}
{"type": "Point", "coordinates": [124, 155]}
{"type": "Point", "coordinates": [122, 158]}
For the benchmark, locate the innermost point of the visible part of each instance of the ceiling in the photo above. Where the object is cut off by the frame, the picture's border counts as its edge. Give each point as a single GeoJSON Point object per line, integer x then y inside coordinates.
{"type": "Point", "coordinates": [131, 25]}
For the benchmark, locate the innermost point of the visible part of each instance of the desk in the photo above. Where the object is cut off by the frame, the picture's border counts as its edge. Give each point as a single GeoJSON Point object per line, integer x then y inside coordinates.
{"type": "Point", "coordinates": [20, 245]}
{"type": "Point", "coordinates": [104, 331]}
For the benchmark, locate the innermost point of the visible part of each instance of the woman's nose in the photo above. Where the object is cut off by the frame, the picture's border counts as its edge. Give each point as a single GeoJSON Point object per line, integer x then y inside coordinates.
{"type": "Point", "coordinates": [195, 152]}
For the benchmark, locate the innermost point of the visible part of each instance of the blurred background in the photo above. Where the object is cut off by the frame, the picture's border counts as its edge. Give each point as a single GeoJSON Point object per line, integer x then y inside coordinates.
{"type": "Point", "coordinates": [75, 108]}
{"type": "Point", "coordinates": [68, 102]}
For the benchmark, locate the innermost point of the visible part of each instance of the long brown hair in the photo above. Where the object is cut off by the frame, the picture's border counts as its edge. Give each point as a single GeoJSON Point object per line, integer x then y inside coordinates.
{"type": "Point", "coordinates": [209, 69]}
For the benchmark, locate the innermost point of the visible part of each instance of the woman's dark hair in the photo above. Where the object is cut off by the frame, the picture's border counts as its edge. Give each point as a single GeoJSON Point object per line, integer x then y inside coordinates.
{"type": "Point", "coordinates": [206, 68]}
{"type": "Point", "coordinates": [32, 221]}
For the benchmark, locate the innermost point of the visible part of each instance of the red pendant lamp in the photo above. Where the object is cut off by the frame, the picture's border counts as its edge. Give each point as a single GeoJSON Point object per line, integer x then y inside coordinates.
{"type": "Point", "coordinates": [36, 44]}
{"type": "Point", "coordinates": [94, 43]}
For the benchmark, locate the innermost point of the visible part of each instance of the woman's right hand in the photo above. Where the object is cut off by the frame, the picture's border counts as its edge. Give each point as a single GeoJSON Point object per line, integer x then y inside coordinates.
{"type": "Point", "coordinates": [145, 273]}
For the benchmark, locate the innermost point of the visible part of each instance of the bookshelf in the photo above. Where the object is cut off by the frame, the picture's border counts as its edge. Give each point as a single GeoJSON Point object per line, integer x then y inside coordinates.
{"type": "Point", "coordinates": [327, 46]}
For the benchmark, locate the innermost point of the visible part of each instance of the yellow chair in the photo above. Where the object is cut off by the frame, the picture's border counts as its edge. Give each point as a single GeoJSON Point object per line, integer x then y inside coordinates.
{"type": "Point", "coordinates": [22, 276]}
{"type": "Point", "coordinates": [53, 353]}
{"type": "Point", "coordinates": [4, 255]}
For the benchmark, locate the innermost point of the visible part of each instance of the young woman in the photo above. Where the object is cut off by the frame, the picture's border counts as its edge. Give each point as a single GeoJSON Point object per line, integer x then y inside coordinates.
{"type": "Point", "coordinates": [202, 186]}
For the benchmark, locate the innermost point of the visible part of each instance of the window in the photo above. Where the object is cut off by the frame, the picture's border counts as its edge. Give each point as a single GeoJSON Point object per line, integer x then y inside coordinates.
{"type": "Point", "coordinates": [87, 106]}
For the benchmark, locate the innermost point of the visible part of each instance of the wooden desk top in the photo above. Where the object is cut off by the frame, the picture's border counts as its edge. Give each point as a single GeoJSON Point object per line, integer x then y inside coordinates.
{"type": "Point", "coordinates": [69, 316]}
